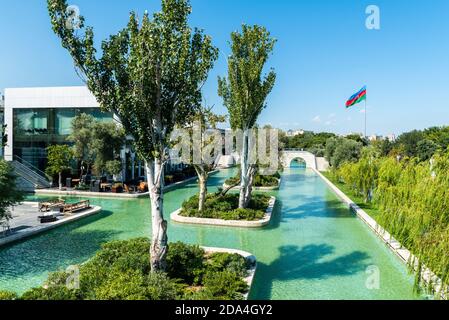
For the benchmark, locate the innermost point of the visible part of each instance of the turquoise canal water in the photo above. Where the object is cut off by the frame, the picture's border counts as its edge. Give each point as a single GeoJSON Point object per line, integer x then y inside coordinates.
{"type": "Point", "coordinates": [313, 249]}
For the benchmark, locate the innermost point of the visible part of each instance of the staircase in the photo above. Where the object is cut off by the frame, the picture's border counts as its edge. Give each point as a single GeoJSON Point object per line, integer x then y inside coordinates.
{"type": "Point", "coordinates": [30, 175]}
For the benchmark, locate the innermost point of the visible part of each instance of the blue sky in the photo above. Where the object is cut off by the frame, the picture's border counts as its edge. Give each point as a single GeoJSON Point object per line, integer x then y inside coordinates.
{"type": "Point", "coordinates": [324, 54]}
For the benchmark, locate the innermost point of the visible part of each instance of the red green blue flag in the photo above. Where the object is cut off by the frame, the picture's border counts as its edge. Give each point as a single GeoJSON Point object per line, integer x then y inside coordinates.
{"type": "Point", "coordinates": [357, 98]}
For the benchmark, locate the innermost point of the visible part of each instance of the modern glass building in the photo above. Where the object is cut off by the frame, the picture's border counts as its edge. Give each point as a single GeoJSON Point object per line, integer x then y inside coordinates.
{"type": "Point", "coordinates": [40, 117]}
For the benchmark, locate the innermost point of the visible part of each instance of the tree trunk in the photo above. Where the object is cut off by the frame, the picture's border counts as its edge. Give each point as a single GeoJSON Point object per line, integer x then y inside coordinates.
{"type": "Point", "coordinates": [159, 241]}
{"type": "Point", "coordinates": [60, 181]}
{"type": "Point", "coordinates": [202, 179]}
{"type": "Point", "coordinates": [244, 164]}
{"type": "Point", "coordinates": [249, 188]}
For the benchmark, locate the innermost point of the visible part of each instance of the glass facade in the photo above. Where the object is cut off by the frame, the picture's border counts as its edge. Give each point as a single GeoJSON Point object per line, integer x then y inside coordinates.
{"type": "Point", "coordinates": [36, 129]}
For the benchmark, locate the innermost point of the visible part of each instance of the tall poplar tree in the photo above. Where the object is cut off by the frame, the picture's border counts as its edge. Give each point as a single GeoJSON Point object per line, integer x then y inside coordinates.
{"type": "Point", "coordinates": [150, 76]}
{"type": "Point", "coordinates": [244, 92]}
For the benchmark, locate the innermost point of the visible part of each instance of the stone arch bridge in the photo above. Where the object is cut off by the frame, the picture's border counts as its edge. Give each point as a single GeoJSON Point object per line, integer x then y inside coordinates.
{"type": "Point", "coordinates": [288, 155]}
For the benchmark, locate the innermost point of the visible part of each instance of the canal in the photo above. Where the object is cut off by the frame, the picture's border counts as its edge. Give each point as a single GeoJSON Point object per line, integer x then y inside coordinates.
{"type": "Point", "coordinates": [314, 248]}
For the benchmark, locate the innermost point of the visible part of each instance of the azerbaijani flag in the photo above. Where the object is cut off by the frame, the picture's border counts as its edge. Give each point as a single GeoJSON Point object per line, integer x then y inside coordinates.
{"type": "Point", "coordinates": [357, 98]}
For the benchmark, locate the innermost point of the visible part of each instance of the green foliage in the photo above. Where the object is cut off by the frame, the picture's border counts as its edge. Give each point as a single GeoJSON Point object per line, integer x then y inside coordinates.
{"type": "Point", "coordinates": [134, 285]}
{"type": "Point", "coordinates": [409, 141]}
{"type": "Point", "coordinates": [6, 295]}
{"type": "Point", "coordinates": [96, 143]}
{"type": "Point", "coordinates": [185, 262]}
{"type": "Point", "coordinates": [107, 140]}
{"type": "Point", "coordinates": [225, 285]}
{"type": "Point", "coordinates": [149, 75]}
{"type": "Point", "coordinates": [81, 137]}
{"type": "Point", "coordinates": [412, 199]}
{"type": "Point", "coordinates": [59, 158]}
{"type": "Point", "coordinates": [340, 150]}
{"type": "Point", "coordinates": [9, 194]}
{"type": "Point", "coordinates": [50, 293]}
{"type": "Point", "coordinates": [235, 263]}
{"type": "Point", "coordinates": [121, 271]}
{"type": "Point", "coordinates": [259, 180]}
{"type": "Point", "coordinates": [113, 167]}
{"type": "Point", "coordinates": [245, 89]}
{"type": "Point", "coordinates": [383, 147]}
{"type": "Point", "coordinates": [226, 207]}
{"type": "Point", "coordinates": [358, 138]}
{"type": "Point", "coordinates": [425, 149]}
{"type": "Point", "coordinates": [361, 176]}
{"type": "Point", "coordinates": [309, 141]}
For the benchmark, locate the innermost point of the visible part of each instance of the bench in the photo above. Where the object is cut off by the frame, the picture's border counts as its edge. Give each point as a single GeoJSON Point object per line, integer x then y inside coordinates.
{"type": "Point", "coordinates": [71, 208]}
{"type": "Point", "coordinates": [49, 205]}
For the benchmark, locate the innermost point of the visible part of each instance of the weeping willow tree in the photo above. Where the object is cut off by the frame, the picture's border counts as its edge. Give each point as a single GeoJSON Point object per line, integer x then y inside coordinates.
{"type": "Point", "coordinates": [414, 207]}
{"type": "Point", "coordinates": [413, 201]}
{"type": "Point", "coordinates": [150, 75]}
{"type": "Point", "coordinates": [361, 176]}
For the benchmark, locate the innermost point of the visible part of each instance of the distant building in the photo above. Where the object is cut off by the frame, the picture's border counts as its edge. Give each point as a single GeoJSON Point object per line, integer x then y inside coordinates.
{"type": "Point", "coordinates": [391, 137]}
{"type": "Point", "coordinates": [294, 133]}
{"type": "Point", "coordinates": [375, 138]}
{"type": "Point", "coordinates": [40, 117]}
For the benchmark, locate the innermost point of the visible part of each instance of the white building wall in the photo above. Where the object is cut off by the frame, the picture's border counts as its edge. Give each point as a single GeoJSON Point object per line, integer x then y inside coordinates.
{"type": "Point", "coordinates": [48, 97]}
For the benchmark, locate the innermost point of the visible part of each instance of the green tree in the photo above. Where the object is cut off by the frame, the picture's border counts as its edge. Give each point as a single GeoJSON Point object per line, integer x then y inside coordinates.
{"type": "Point", "coordinates": [425, 149]}
{"type": "Point", "coordinates": [150, 75]}
{"type": "Point", "coordinates": [106, 142]}
{"type": "Point", "coordinates": [113, 167]}
{"type": "Point", "coordinates": [9, 193]}
{"type": "Point", "coordinates": [204, 149]}
{"type": "Point", "coordinates": [409, 142]}
{"type": "Point", "coordinates": [439, 135]}
{"type": "Point", "coordinates": [358, 138]}
{"type": "Point", "coordinates": [59, 158]}
{"type": "Point", "coordinates": [95, 142]}
{"type": "Point", "coordinates": [81, 138]}
{"type": "Point", "coordinates": [245, 90]}
{"type": "Point", "coordinates": [341, 150]}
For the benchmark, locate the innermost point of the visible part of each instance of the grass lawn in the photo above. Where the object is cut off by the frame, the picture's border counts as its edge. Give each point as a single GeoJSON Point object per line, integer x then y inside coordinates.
{"type": "Point", "coordinates": [370, 208]}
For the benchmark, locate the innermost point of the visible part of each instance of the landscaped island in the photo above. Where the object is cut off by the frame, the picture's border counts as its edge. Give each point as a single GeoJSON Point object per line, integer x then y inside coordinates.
{"type": "Point", "coordinates": [121, 271]}
{"type": "Point", "coordinates": [227, 207]}
{"type": "Point", "coordinates": [261, 182]}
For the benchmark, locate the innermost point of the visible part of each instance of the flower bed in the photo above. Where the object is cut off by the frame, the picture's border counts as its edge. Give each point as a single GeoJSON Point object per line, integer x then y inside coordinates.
{"type": "Point", "coordinates": [121, 271]}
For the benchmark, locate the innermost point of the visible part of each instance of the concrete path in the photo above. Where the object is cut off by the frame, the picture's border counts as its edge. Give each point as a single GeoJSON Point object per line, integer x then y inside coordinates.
{"type": "Point", "coordinates": [25, 222]}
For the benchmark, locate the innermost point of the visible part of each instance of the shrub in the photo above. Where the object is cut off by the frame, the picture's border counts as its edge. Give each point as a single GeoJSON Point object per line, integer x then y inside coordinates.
{"type": "Point", "coordinates": [226, 207]}
{"type": "Point", "coordinates": [226, 261]}
{"type": "Point", "coordinates": [259, 180]}
{"type": "Point", "coordinates": [124, 255]}
{"type": "Point", "coordinates": [7, 295]}
{"type": "Point", "coordinates": [121, 271]}
{"type": "Point", "coordinates": [51, 293]}
{"type": "Point", "coordinates": [225, 285]}
{"type": "Point", "coordinates": [160, 287]}
{"type": "Point", "coordinates": [134, 285]}
{"type": "Point", "coordinates": [185, 262]}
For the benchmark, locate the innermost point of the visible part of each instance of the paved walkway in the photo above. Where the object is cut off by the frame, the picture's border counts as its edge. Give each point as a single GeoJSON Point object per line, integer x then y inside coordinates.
{"type": "Point", "coordinates": [25, 222]}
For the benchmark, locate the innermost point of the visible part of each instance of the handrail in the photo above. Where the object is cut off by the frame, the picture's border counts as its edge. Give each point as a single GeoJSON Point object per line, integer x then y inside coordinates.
{"type": "Point", "coordinates": [301, 150]}
{"type": "Point", "coordinates": [29, 175]}
{"type": "Point", "coordinates": [31, 167]}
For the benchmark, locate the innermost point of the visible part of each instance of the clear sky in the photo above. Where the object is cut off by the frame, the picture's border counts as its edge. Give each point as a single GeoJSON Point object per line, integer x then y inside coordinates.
{"type": "Point", "coordinates": [324, 54]}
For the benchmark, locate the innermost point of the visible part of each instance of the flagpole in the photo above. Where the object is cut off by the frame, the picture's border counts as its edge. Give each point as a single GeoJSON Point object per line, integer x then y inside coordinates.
{"type": "Point", "coordinates": [365, 118]}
